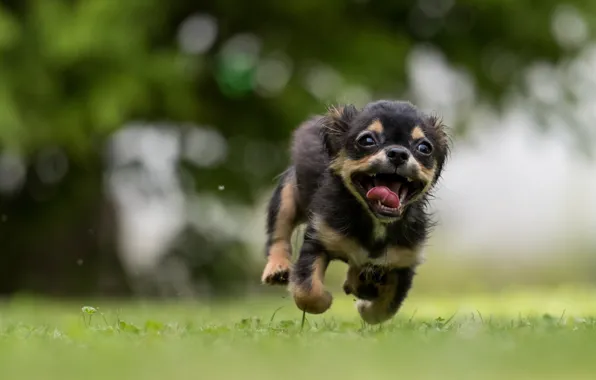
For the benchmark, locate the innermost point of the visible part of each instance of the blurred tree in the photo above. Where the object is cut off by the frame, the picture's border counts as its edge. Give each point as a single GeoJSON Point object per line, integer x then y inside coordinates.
{"type": "Point", "coordinates": [74, 71]}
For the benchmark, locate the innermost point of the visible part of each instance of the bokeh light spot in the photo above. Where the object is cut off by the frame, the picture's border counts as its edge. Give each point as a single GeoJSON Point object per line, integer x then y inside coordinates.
{"type": "Point", "coordinates": [197, 33]}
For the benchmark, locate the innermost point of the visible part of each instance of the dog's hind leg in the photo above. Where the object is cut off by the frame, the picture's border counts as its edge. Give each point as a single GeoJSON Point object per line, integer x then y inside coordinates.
{"type": "Point", "coordinates": [282, 218]}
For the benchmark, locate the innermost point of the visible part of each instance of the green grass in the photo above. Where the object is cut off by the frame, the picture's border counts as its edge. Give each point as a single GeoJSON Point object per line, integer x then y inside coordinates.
{"type": "Point", "coordinates": [514, 335]}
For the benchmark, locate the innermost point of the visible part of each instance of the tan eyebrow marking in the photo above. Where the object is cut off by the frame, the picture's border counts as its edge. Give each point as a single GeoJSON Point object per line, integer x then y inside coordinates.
{"type": "Point", "coordinates": [418, 133]}
{"type": "Point", "coordinates": [376, 126]}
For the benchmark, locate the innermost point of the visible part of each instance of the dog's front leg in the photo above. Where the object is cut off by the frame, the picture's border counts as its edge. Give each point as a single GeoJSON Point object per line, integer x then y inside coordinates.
{"type": "Point", "coordinates": [389, 301]}
{"type": "Point", "coordinates": [308, 276]}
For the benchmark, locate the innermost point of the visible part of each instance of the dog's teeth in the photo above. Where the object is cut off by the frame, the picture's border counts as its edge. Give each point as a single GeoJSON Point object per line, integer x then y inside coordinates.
{"type": "Point", "coordinates": [409, 179]}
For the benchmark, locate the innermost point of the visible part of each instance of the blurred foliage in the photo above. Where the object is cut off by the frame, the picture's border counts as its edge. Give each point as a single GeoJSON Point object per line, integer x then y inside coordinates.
{"type": "Point", "coordinates": [73, 71]}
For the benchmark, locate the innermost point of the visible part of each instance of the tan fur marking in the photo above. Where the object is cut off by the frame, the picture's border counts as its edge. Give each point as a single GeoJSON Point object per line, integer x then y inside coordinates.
{"type": "Point", "coordinates": [376, 126]}
{"type": "Point", "coordinates": [418, 134]}
{"type": "Point", "coordinates": [400, 257]}
{"type": "Point", "coordinates": [338, 162]}
{"type": "Point", "coordinates": [377, 311]}
{"type": "Point", "coordinates": [345, 167]}
{"type": "Point", "coordinates": [284, 225]}
{"type": "Point", "coordinates": [280, 252]}
{"type": "Point", "coordinates": [353, 166]}
{"type": "Point", "coordinates": [348, 249]}
{"type": "Point", "coordinates": [318, 278]}
{"type": "Point", "coordinates": [313, 299]}
{"type": "Point", "coordinates": [352, 280]}
{"type": "Point", "coordinates": [429, 174]}
{"type": "Point", "coordinates": [279, 260]}
{"type": "Point", "coordinates": [365, 163]}
{"type": "Point", "coordinates": [425, 174]}
{"type": "Point", "coordinates": [334, 242]}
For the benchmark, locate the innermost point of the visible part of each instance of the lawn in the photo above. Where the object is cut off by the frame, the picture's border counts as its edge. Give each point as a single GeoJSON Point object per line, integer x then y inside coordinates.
{"type": "Point", "coordinates": [512, 335]}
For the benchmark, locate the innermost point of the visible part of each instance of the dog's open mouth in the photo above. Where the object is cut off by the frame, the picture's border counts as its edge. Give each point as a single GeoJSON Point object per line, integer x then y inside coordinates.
{"type": "Point", "coordinates": [386, 193]}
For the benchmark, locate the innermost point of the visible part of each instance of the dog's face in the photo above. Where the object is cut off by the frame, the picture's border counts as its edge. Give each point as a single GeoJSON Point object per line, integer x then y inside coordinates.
{"type": "Point", "coordinates": [389, 154]}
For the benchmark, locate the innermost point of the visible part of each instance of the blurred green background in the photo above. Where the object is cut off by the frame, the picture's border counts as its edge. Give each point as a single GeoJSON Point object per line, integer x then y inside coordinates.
{"type": "Point", "coordinates": [140, 138]}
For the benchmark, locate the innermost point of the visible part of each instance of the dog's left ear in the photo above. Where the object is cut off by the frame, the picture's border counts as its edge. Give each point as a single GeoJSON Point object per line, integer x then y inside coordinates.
{"type": "Point", "coordinates": [439, 130]}
{"type": "Point", "coordinates": [441, 136]}
{"type": "Point", "coordinates": [334, 127]}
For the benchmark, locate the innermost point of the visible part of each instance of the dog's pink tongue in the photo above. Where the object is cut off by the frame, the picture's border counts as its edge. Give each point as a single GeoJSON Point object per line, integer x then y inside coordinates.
{"type": "Point", "coordinates": [387, 197]}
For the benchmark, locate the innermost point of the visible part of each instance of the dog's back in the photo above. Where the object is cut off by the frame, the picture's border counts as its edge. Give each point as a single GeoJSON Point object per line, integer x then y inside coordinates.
{"type": "Point", "coordinates": [309, 160]}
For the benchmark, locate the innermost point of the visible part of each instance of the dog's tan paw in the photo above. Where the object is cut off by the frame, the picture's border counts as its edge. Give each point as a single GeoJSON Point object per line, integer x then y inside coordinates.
{"type": "Point", "coordinates": [276, 272]}
{"type": "Point", "coordinates": [373, 312]}
{"type": "Point", "coordinates": [313, 302]}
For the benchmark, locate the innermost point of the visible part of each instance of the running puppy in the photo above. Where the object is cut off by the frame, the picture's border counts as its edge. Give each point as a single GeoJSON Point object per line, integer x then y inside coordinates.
{"type": "Point", "coordinates": [360, 179]}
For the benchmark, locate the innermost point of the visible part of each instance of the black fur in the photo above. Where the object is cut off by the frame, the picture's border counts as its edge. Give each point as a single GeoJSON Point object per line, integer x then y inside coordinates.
{"type": "Point", "coordinates": [405, 277]}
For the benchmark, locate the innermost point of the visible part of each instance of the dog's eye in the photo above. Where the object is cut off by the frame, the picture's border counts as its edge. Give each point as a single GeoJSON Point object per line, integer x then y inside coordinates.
{"type": "Point", "coordinates": [425, 148]}
{"type": "Point", "coordinates": [367, 141]}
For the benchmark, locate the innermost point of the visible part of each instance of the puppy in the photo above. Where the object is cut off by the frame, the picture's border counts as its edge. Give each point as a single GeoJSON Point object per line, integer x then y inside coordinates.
{"type": "Point", "coordinates": [360, 180]}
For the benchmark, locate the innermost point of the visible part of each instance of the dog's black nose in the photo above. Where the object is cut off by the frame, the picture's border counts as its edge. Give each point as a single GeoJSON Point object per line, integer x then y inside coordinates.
{"type": "Point", "coordinates": [398, 155]}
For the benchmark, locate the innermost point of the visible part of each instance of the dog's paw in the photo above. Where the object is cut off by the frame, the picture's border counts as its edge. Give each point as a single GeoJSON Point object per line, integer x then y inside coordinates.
{"type": "Point", "coordinates": [277, 272]}
{"type": "Point", "coordinates": [373, 312]}
{"type": "Point", "coordinates": [313, 302]}
{"type": "Point", "coordinates": [374, 287]}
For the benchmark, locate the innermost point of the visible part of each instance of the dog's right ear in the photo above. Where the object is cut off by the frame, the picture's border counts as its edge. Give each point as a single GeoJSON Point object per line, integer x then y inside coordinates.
{"type": "Point", "coordinates": [334, 127]}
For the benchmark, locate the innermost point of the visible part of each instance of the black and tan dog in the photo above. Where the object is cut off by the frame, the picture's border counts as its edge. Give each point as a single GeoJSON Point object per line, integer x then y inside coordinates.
{"type": "Point", "coordinates": [360, 179]}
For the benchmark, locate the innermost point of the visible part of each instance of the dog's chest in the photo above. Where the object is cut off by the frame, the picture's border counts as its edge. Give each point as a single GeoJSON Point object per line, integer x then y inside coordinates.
{"type": "Point", "coordinates": [355, 254]}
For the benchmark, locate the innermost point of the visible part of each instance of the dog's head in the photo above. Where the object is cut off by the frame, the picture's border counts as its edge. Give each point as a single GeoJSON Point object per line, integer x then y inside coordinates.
{"type": "Point", "coordinates": [389, 154]}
